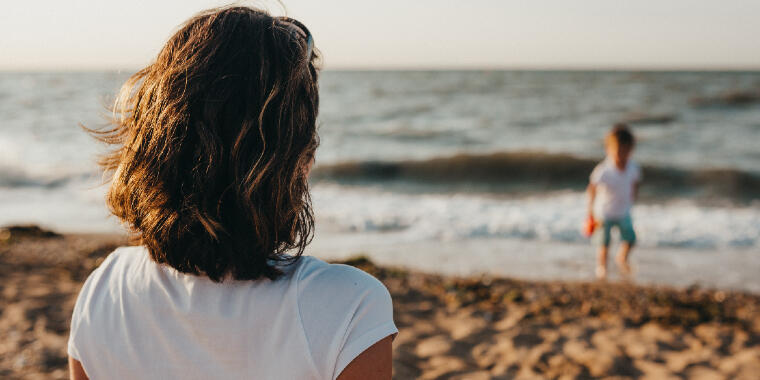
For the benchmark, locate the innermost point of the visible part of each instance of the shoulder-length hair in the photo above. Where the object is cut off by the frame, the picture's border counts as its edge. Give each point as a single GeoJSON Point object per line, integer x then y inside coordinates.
{"type": "Point", "coordinates": [212, 145]}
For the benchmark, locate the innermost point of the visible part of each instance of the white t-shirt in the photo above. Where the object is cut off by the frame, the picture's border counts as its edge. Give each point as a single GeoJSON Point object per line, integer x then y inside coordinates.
{"type": "Point", "coordinates": [136, 319]}
{"type": "Point", "coordinates": [614, 188]}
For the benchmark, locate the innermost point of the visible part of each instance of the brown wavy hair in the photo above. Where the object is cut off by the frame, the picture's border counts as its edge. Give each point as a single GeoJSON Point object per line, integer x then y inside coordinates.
{"type": "Point", "coordinates": [213, 141]}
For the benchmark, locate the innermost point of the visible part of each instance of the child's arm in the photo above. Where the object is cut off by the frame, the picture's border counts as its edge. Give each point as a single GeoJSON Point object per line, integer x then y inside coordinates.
{"type": "Point", "coordinates": [591, 191]}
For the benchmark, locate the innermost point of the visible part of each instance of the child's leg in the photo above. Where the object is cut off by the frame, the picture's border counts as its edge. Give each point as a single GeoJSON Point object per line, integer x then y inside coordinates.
{"type": "Point", "coordinates": [622, 258]}
{"type": "Point", "coordinates": [628, 235]}
{"type": "Point", "coordinates": [603, 241]}
{"type": "Point", "coordinates": [601, 262]}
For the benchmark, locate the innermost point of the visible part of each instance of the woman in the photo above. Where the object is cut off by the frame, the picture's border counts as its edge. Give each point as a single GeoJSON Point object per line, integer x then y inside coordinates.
{"type": "Point", "coordinates": [213, 145]}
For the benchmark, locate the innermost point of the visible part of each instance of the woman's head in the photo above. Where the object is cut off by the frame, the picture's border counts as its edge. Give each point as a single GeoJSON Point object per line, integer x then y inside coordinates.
{"type": "Point", "coordinates": [213, 144]}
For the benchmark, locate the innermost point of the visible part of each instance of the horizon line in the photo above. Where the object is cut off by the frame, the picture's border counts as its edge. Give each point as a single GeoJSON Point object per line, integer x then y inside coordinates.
{"type": "Point", "coordinates": [412, 68]}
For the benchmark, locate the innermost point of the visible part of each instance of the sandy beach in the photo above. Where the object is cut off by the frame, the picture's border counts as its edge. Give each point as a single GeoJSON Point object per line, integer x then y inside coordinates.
{"type": "Point", "coordinates": [450, 327]}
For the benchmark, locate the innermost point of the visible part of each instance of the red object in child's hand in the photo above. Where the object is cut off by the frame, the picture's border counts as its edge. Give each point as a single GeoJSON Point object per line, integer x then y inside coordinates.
{"type": "Point", "coordinates": [589, 226]}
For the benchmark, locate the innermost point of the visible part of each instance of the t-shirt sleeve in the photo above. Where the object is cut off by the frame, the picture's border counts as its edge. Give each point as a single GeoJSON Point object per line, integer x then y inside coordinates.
{"type": "Point", "coordinates": [344, 311]}
{"type": "Point", "coordinates": [637, 174]}
{"type": "Point", "coordinates": [371, 322]}
{"type": "Point", "coordinates": [78, 333]}
{"type": "Point", "coordinates": [596, 175]}
{"type": "Point", "coordinates": [72, 349]}
{"type": "Point", "coordinates": [77, 315]}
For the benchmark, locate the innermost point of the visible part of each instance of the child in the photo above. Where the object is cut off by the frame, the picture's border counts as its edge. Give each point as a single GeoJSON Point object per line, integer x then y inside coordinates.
{"type": "Point", "coordinates": [611, 192]}
{"type": "Point", "coordinates": [213, 143]}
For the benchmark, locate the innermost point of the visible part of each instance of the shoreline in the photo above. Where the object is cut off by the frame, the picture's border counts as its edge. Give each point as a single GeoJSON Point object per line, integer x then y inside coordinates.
{"type": "Point", "coordinates": [454, 327]}
{"type": "Point", "coordinates": [532, 260]}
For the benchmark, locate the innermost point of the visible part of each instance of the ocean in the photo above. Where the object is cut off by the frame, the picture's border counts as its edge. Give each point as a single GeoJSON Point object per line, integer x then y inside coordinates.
{"type": "Point", "coordinates": [455, 171]}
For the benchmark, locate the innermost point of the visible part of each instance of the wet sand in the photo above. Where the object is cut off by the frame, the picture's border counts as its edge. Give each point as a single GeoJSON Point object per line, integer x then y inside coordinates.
{"type": "Point", "coordinates": [533, 260]}
{"type": "Point", "coordinates": [450, 327]}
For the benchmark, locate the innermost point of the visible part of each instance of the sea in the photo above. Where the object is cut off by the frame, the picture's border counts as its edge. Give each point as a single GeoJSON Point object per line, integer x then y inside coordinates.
{"type": "Point", "coordinates": [457, 172]}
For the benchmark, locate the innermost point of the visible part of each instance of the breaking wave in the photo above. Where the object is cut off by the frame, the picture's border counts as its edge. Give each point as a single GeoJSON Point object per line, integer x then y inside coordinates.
{"type": "Point", "coordinates": [536, 172]}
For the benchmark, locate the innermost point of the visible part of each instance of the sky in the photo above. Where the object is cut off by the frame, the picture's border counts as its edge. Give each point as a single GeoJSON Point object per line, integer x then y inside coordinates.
{"type": "Point", "coordinates": [407, 34]}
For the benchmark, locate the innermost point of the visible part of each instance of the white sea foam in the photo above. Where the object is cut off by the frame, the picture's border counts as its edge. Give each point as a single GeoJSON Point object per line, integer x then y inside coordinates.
{"type": "Point", "coordinates": [48, 175]}
{"type": "Point", "coordinates": [72, 208]}
{"type": "Point", "coordinates": [546, 218]}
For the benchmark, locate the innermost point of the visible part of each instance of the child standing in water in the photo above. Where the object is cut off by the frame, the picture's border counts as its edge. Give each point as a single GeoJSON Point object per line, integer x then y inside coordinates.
{"type": "Point", "coordinates": [612, 189]}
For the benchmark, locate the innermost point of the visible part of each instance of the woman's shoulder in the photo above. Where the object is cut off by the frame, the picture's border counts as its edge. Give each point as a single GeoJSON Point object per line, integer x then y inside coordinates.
{"type": "Point", "coordinates": [313, 272]}
{"type": "Point", "coordinates": [120, 257]}
{"type": "Point", "coordinates": [115, 266]}
{"type": "Point", "coordinates": [323, 287]}
{"type": "Point", "coordinates": [97, 293]}
{"type": "Point", "coordinates": [343, 311]}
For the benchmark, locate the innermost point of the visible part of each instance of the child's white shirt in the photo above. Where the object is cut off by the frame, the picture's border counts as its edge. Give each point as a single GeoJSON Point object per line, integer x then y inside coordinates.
{"type": "Point", "coordinates": [614, 188]}
{"type": "Point", "coordinates": [136, 319]}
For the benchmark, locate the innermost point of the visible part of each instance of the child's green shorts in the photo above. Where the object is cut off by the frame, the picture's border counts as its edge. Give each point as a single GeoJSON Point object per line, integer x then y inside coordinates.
{"type": "Point", "coordinates": [624, 224]}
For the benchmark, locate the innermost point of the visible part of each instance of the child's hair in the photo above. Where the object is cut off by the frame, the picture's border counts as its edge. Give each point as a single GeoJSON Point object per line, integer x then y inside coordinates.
{"type": "Point", "coordinates": [212, 145]}
{"type": "Point", "coordinates": [621, 135]}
